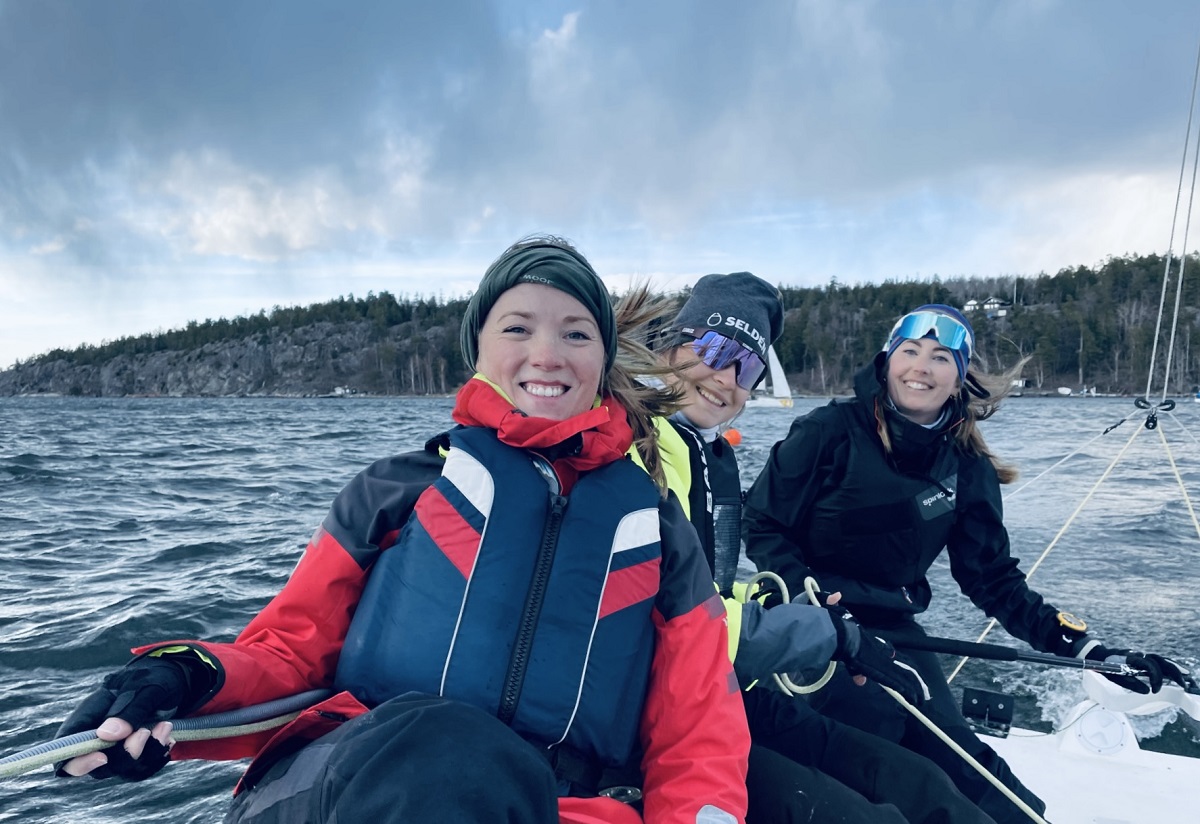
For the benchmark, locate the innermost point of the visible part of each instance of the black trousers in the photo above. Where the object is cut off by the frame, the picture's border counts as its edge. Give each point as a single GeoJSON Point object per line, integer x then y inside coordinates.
{"type": "Point", "coordinates": [415, 758]}
{"type": "Point", "coordinates": [784, 792]}
{"type": "Point", "coordinates": [806, 767]}
{"type": "Point", "coordinates": [871, 709]}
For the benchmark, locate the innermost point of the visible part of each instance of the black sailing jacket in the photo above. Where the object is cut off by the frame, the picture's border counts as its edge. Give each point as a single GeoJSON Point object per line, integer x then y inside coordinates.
{"type": "Point", "coordinates": [832, 504]}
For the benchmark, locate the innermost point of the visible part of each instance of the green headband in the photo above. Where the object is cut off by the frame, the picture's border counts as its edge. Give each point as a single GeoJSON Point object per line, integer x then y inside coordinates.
{"type": "Point", "coordinates": [548, 264]}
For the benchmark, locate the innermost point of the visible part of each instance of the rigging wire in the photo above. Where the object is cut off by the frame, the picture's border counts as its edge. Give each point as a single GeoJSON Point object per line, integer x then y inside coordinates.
{"type": "Point", "coordinates": [1055, 466]}
{"type": "Point", "coordinates": [1178, 477]}
{"type": "Point", "coordinates": [1165, 406]}
{"type": "Point", "coordinates": [1187, 139]}
{"type": "Point", "coordinates": [1062, 531]}
{"type": "Point", "coordinates": [811, 588]}
{"type": "Point", "coordinates": [1182, 264]}
{"type": "Point", "coordinates": [1184, 429]}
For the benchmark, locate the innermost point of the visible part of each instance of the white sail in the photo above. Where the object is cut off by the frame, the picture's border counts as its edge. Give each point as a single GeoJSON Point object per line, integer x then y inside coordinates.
{"type": "Point", "coordinates": [777, 380]}
{"type": "Point", "coordinates": [774, 391]}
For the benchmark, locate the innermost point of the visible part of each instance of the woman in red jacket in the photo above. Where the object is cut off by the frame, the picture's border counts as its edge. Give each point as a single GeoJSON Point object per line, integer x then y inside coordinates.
{"type": "Point", "coordinates": [519, 621]}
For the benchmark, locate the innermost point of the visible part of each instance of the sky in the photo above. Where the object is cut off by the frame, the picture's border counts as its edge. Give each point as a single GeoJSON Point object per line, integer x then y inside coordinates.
{"type": "Point", "coordinates": [163, 161]}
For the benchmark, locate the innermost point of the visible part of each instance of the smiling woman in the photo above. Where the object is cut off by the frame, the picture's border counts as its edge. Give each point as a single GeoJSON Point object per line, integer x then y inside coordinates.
{"type": "Point", "coordinates": [505, 615]}
{"type": "Point", "coordinates": [864, 494]}
{"type": "Point", "coordinates": [543, 349]}
{"type": "Point", "coordinates": [927, 355]}
{"type": "Point", "coordinates": [920, 379]}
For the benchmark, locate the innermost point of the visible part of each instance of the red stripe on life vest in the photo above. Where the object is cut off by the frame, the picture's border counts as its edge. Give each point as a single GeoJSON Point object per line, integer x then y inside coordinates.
{"type": "Point", "coordinates": [454, 536]}
{"type": "Point", "coordinates": [630, 586]}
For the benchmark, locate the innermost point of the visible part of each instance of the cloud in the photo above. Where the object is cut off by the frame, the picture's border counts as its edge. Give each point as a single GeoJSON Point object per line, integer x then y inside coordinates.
{"type": "Point", "coordinates": [281, 152]}
{"type": "Point", "coordinates": [218, 208]}
{"type": "Point", "coordinates": [50, 247]}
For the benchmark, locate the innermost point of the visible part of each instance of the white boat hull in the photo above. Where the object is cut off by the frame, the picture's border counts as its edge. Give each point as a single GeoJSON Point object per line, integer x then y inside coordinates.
{"type": "Point", "coordinates": [770, 402]}
{"type": "Point", "coordinates": [1132, 786]}
{"type": "Point", "coordinates": [1093, 772]}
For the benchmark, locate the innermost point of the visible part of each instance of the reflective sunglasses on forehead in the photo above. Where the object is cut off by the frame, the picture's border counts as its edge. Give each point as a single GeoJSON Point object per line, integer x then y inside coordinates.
{"type": "Point", "coordinates": [717, 352]}
{"type": "Point", "coordinates": [950, 333]}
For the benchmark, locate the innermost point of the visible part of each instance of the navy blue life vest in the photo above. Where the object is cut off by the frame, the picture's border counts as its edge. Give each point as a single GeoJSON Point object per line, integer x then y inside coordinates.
{"type": "Point", "coordinates": [529, 605]}
{"type": "Point", "coordinates": [878, 526]}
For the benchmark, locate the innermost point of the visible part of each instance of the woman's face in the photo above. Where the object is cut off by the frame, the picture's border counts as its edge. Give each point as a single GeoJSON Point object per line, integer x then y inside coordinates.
{"type": "Point", "coordinates": [711, 396]}
{"type": "Point", "coordinates": [542, 347]}
{"type": "Point", "coordinates": [921, 377]}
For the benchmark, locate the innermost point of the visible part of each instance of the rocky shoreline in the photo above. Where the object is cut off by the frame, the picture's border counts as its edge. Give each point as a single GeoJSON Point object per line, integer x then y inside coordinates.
{"type": "Point", "coordinates": [311, 361]}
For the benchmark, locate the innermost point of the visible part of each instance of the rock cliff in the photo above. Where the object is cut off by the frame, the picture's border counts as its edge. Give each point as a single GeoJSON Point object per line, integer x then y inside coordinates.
{"type": "Point", "coordinates": [311, 360]}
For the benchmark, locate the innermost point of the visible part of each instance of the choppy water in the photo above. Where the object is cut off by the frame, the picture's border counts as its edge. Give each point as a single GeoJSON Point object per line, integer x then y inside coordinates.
{"type": "Point", "coordinates": [127, 521]}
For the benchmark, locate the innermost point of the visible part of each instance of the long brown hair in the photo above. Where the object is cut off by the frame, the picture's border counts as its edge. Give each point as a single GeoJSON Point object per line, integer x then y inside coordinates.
{"type": "Point", "coordinates": [639, 312]}
{"type": "Point", "coordinates": [972, 409]}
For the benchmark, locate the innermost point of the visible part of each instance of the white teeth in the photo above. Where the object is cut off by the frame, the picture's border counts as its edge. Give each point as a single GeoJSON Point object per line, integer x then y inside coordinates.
{"type": "Point", "coordinates": [708, 396]}
{"type": "Point", "coordinates": [915, 385]}
{"type": "Point", "coordinates": [543, 391]}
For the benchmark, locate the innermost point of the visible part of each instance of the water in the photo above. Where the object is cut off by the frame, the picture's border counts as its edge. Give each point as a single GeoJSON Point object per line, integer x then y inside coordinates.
{"type": "Point", "coordinates": [127, 521]}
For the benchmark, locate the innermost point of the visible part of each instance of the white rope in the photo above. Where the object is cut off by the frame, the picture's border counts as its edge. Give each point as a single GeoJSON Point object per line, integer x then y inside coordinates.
{"type": "Point", "coordinates": [1178, 477]}
{"type": "Point", "coordinates": [966, 756]}
{"type": "Point", "coordinates": [810, 587]}
{"type": "Point", "coordinates": [1062, 531]}
{"type": "Point", "coordinates": [1056, 465]}
{"type": "Point", "coordinates": [1153, 354]}
{"type": "Point", "coordinates": [785, 683]}
{"type": "Point", "coordinates": [1183, 428]}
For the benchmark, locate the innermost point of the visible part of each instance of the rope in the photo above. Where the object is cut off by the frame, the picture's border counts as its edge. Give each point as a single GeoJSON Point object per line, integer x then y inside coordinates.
{"type": "Point", "coordinates": [1062, 531]}
{"type": "Point", "coordinates": [244, 721]}
{"type": "Point", "coordinates": [1187, 141]}
{"type": "Point", "coordinates": [811, 588]}
{"type": "Point", "coordinates": [93, 744]}
{"type": "Point", "coordinates": [1184, 429]}
{"type": "Point", "coordinates": [1178, 477]}
{"type": "Point", "coordinates": [1057, 464]}
{"type": "Point", "coordinates": [966, 756]}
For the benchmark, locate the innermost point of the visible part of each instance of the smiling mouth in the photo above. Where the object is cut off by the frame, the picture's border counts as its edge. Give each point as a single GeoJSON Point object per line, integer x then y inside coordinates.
{"type": "Point", "coordinates": [920, 387]}
{"type": "Point", "coordinates": [543, 391]}
{"type": "Point", "coordinates": [708, 396]}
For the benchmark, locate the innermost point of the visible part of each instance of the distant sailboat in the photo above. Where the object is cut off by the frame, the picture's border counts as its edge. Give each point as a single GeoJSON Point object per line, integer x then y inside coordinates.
{"type": "Point", "coordinates": [774, 391]}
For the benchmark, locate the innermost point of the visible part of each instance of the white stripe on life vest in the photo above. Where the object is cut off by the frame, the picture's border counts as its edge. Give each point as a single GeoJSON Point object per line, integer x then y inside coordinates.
{"type": "Point", "coordinates": [636, 529]}
{"type": "Point", "coordinates": [471, 478]}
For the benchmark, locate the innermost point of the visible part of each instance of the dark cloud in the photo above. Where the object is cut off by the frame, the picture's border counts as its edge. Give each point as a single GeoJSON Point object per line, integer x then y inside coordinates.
{"type": "Point", "coordinates": [139, 139]}
{"type": "Point", "coordinates": [281, 82]}
{"type": "Point", "coordinates": [675, 104]}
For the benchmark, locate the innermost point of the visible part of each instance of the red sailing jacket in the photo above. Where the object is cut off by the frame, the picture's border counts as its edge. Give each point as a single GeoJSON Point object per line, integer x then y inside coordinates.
{"type": "Point", "coordinates": [693, 728]}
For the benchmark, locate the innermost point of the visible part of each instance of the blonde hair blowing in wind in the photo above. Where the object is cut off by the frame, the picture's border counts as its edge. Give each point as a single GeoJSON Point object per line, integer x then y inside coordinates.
{"type": "Point", "coordinates": [639, 314]}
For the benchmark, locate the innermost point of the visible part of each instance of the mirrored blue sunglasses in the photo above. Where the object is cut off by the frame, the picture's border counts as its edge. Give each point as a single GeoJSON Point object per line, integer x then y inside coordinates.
{"type": "Point", "coordinates": [948, 331]}
{"type": "Point", "coordinates": [717, 352]}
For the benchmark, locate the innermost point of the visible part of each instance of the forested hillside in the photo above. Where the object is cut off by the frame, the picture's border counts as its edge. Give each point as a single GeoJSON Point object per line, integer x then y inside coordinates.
{"type": "Point", "coordinates": [1082, 327]}
{"type": "Point", "coordinates": [1091, 327]}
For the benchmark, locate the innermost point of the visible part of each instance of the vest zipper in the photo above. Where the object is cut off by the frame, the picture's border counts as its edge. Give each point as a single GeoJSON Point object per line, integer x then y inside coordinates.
{"type": "Point", "coordinates": [519, 662]}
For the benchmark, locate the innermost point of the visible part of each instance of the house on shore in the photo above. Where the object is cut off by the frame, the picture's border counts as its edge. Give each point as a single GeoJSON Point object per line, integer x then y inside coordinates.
{"type": "Point", "coordinates": [992, 307]}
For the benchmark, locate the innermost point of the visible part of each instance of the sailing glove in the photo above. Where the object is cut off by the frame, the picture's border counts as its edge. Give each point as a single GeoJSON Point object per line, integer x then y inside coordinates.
{"type": "Point", "coordinates": [1154, 668]}
{"type": "Point", "coordinates": [145, 692]}
{"type": "Point", "coordinates": [864, 654]}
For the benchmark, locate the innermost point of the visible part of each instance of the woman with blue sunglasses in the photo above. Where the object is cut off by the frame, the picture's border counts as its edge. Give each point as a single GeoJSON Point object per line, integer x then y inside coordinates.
{"type": "Point", "coordinates": [803, 766]}
{"type": "Point", "coordinates": [865, 493]}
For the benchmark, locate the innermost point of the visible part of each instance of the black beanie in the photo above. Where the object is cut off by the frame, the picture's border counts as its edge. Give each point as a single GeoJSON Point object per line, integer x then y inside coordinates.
{"type": "Point", "coordinates": [548, 263]}
{"type": "Point", "coordinates": [740, 306]}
